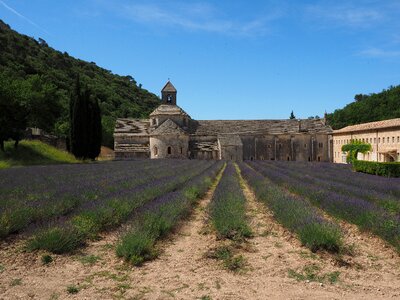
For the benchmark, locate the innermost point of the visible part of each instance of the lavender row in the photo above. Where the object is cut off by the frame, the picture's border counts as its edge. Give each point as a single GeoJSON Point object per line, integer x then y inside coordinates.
{"type": "Point", "coordinates": [21, 213]}
{"type": "Point", "coordinates": [343, 174]}
{"type": "Point", "coordinates": [160, 216]}
{"type": "Point", "coordinates": [366, 215]}
{"type": "Point", "coordinates": [114, 212]}
{"type": "Point", "coordinates": [228, 207]}
{"type": "Point", "coordinates": [295, 213]}
{"type": "Point", "coordinates": [385, 200]}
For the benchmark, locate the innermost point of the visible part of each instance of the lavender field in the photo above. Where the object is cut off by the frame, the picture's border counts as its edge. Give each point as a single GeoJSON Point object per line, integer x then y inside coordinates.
{"type": "Point", "coordinates": [178, 219]}
{"type": "Point", "coordinates": [60, 207]}
{"type": "Point", "coordinates": [370, 202]}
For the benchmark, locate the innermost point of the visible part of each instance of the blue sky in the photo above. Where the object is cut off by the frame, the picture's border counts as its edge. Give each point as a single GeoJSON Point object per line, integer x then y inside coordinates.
{"type": "Point", "coordinates": [230, 59]}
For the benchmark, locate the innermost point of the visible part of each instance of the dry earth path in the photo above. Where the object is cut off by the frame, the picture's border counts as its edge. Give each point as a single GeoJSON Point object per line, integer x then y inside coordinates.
{"type": "Point", "coordinates": [183, 271]}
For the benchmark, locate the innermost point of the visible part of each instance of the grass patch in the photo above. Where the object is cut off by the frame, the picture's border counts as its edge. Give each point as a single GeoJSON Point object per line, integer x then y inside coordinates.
{"type": "Point", "coordinates": [33, 153]}
{"type": "Point", "coordinates": [311, 273]}
{"type": "Point", "coordinates": [72, 289]}
{"type": "Point", "coordinates": [230, 261]}
{"type": "Point", "coordinates": [16, 281]}
{"type": "Point", "coordinates": [46, 259]}
{"type": "Point", "coordinates": [89, 259]}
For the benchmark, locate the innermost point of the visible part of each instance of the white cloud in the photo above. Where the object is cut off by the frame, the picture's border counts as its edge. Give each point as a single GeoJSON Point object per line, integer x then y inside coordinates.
{"type": "Point", "coordinates": [193, 17]}
{"type": "Point", "coordinates": [379, 53]}
{"type": "Point", "coordinates": [21, 16]}
{"type": "Point", "coordinates": [347, 15]}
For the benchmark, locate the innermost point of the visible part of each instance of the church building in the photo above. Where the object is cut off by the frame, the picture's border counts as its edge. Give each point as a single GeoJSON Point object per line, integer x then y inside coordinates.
{"type": "Point", "coordinates": [171, 133]}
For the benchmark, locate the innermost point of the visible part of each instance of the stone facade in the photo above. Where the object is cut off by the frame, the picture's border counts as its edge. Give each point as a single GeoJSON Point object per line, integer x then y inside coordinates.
{"type": "Point", "coordinates": [384, 137]}
{"type": "Point", "coordinates": [171, 133]}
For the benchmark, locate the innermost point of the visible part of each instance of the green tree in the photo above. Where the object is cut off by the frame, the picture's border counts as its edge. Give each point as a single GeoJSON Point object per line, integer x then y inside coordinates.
{"type": "Point", "coordinates": [292, 116]}
{"type": "Point", "coordinates": [353, 148]}
{"type": "Point", "coordinates": [13, 111]}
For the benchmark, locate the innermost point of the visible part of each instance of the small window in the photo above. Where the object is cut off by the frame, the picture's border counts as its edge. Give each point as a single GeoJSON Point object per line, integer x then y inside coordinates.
{"type": "Point", "coordinates": [379, 140]}
{"type": "Point", "coordinates": [169, 150]}
{"type": "Point", "coordinates": [309, 158]}
{"type": "Point", "coordinates": [154, 122]}
{"type": "Point", "coordinates": [155, 151]}
{"type": "Point", "coordinates": [181, 150]}
{"type": "Point", "coordinates": [305, 146]}
{"type": "Point", "coordinates": [387, 139]}
{"type": "Point", "coordinates": [393, 140]}
{"type": "Point", "coordinates": [383, 140]}
{"type": "Point", "coordinates": [288, 158]}
{"type": "Point", "coordinates": [374, 140]}
{"type": "Point", "coordinates": [319, 158]}
{"type": "Point", "coordinates": [169, 98]}
{"type": "Point", "coordinates": [398, 139]}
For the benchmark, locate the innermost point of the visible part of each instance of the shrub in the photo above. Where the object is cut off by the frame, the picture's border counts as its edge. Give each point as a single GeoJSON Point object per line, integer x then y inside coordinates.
{"type": "Point", "coordinates": [46, 259]}
{"type": "Point", "coordinates": [72, 289]}
{"type": "Point", "coordinates": [57, 240]}
{"type": "Point", "coordinates": [388, 169]}
{"type": "Point", "coordinates": [13, 220]}
{"type": "Point", "coordinates": [317, 236]}
{"type": "Point", "coordinates": [136, 247]}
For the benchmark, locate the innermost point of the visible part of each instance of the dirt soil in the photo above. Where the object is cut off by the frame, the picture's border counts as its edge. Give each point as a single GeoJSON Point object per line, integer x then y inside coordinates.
{"type": "Point", "coordinates": [277, 267]}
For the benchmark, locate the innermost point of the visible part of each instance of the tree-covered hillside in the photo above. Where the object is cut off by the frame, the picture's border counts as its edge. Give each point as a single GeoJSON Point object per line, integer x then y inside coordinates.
{"type": "Point", "coordinates": [368, 108]}
{"type": "Point", "coordinates": [45, 77]}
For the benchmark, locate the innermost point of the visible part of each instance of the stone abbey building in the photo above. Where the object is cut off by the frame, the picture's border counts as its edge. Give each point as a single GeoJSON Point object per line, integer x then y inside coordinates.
{"type": "Point", "coordinates": [171, 133]}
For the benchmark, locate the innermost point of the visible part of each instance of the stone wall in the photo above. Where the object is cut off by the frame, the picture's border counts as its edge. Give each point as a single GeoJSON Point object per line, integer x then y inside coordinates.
{"type": "Point", "coordinates": [296, 147]}
{"type": "Point", "coordinates": [381, 140]}
{"type": "Point", "coordinates": [177, 145]}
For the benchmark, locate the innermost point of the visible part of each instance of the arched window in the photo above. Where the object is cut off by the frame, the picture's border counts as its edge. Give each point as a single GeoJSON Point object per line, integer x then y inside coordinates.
{"type": "Point", "coordinates": [169, 98]}
{"type": "Point", "coordinates": [155, 151]}
{"type": "Point", "coordinates": [169, 150]}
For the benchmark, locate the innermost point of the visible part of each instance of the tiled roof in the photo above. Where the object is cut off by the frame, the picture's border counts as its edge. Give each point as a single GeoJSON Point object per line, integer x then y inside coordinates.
{"type": "Point", "coordinates": [167, 109]}
{"type": "Point", "coordinates": [168, 127]}
{"type": "Point", "coordinates": [133, 127]}
{"type": "Point", "coordinates": [370, 126]}
{"type": "Point", "coordinates": [168, 87]}
{"type": "Point", "coordinates": [258, 127]}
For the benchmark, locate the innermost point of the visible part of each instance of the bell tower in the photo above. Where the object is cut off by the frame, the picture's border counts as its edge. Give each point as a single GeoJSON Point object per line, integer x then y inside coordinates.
{"type": "Point", "coordinates": [168, 94]}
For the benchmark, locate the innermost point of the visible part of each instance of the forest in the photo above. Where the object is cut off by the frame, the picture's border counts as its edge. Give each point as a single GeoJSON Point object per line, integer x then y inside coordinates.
{"type": "Point", "coordinates": [368, 108]}
{"type": "Point", "coordinates": [41, 79]}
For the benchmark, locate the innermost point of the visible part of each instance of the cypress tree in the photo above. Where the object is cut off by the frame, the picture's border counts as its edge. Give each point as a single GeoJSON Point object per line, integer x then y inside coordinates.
{"type": "Point", "coordinates": [85, 124]}
{"type": "Point", "coordinates": [95, 134]}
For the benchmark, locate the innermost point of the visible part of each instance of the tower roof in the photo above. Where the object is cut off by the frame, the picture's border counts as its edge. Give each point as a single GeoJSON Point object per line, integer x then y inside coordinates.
{"type": "Point", "coordinates": [168, 87]}
{"type": "Point", "coordinates": [168, 110]}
